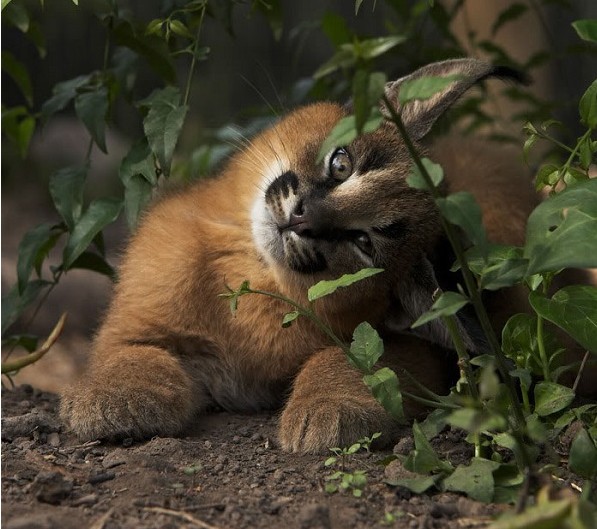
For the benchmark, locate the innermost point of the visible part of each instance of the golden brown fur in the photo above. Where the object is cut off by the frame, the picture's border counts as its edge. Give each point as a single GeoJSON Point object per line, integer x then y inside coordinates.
{"type": "Point", "coordinates": [169, 346]}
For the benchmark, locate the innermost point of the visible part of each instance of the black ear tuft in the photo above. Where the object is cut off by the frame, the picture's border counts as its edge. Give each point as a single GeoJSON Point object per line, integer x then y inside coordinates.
{"type": "Point", "coordinates": [507, 73]}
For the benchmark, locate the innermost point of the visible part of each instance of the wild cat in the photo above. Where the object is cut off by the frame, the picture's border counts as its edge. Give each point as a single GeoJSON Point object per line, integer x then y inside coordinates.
{"type": "Point", "coordinates": [169, 346]}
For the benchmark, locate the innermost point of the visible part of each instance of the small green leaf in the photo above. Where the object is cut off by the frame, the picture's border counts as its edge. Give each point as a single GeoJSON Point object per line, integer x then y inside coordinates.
{"type": "Point", "coordinates": [551, 398]}
{"type": "Point", "coordinates": [19, 74]}
{"type": "Point", "coordinates": [366, 347]}
{"type": "Point", "coordinates": [423, 458]}
{"type": "Point", "coordinates": [330, 461]}
{"type": "Point", "coordinates": [561, 230]}
{"type": "Point", "coordinates": [62, 94]}
{"type": "Point", "coordinates": [574, 309]}
{"type": "Point", "coordinates": [14, 303]}
{"type": "Point", "coordinates": [475, 480]}
{"type": "Point", "coordinates": [415, 178]}
{"type": "Point", "coordinates": [100, 213]}
{"type": "Point", "coordinates": [335, 28]}
{"type": "Point", "coordinates": [583, 455]}
{"type": "Point", "coordinates": [92, 109]}
{"type": "Point", "coordinates": [586, 29]}
{"type": "Point", "coordinates": [66, 189]}
{"type": "Point", "coordinates": [178, 28]}
{"type": "Point", "coordinates": [325, 287]}
{"type": "Point", "coordinates": [462, 210]}
{"type": "Point", "coordinates": [371, 48]}
{"type": "Point", "coordinates": [16, 14]}
{"type": "Point", "coordinates": [34, 246]}
{"type": "Point", "coordinates": [343, 58]}
{"type": "Point", "coordinates": [385, 387]}
{"type": "Point", "coordinates": [94, 262]}
{"type": "Point", "coordinates": [367, 90]}
{"type": "Point", "coordinates": [447, 304]}
{"type": "Point", "coordinates": [512, 12]}
{"type": "Point", "coordinates": [587, 106]}
{"type": "Point", "coordinates": [289, 318]}
{"type": "Point", "coordinates": [163, 123]}
{"type": "Point", "coordinates": [424, 87]}
{"type": "Point", "coordinates": [418, 484]}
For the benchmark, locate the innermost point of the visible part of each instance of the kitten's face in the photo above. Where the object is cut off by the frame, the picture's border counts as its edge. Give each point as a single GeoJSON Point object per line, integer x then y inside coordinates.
{"type": "Point", "coordinates": [350, 211]}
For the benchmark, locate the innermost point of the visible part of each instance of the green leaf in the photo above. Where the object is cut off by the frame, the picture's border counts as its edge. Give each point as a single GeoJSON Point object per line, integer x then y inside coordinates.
{"type": "Point", "coordinates": [289, 318]}
{"type": "Point", "coordinates": [423, 458]}
{"type": "Point", "coordinates": [512, 12]}
{"type": "Point", "coordinates": [16, 14]}
{"type": "Point", "coordinates": [475, 480]}
{"type": "Point", "coordinates": [343, 58]}
{"type": "Point", "coordinates": [447, 304]}
{"type": "Point", "coordinates": [92, 109]}
{"type": "Point", "coordinates": [14, 303]}
{"type": "Point", "coordinates": [366, 347]}
{"type": "Point", "coordinates": [418, 484]}
{"type": "Point", "coordinates": [573, 309]}
{"type": "Point", "coordinates": [272, 11]}
{"type": "Point", "coordinates": [367, 90]}
{"type": "Point", "coordinates": [137, 173]}
{"type": "Point", "coordinates": [19, 126]}
{"type": "Point", "coordinates": [475, 420]}
{"type": "Point", "coordinates": [547, 515]}
{"type": "Point", "coordinates": [19, 74]}
{"type": "Point", "coordinates": [371, 48]}
{"type": "Point", "coordinates": [561, 230]}
{"type": "Point", "coordinates": [94, 262]}
{"type": "Point", "coordinates": [345, 131]}
{"type": "Point", "coordinates": [462, 210]}
{"type": "Point", "coordinates": [33, 247]}
{"type": "Point", "coordinates": [63, 94]}
{"type": "Point", "coordinates": [178, 28]}
{"type": "Point", "coordinates": [385, 387]}
{"type": "Point", "coordinates": [151, 47]}
{"type": "Point", "coordinates": [325, 287]}
{"type": "Point", "coordinates": [583, 455]}
{"type": "Point", "coordinates": [66, 189]}
{"type": "Point", "coordinates": [335, 28]}
{"type": "Point", "coordinates": [586, 29]}
{"type": "Point", "coordinates": [587, 106]}
{"type": "Point", "coordinates": [551, 398]}
{"type": "Point", "coordinates": [163, 123]}
{"type": "Point", "coordinates": [100, 213]}
{"type": "Point", "coordinates": [415, 178]}
{"type": "Point", "coordinates": [424, 87]}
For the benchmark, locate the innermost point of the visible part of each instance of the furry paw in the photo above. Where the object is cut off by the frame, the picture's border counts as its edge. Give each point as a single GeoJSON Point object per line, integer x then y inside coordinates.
{"type": "Point", "coordinates": [318, 424]}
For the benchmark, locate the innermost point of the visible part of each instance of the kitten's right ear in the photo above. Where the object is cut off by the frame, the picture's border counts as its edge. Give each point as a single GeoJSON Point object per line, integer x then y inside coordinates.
{"type": "Point", "coordinates": [419, 116]}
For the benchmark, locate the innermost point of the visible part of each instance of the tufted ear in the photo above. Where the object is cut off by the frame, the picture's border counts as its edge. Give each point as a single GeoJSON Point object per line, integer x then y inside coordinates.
{"type": "Point", "coordinates": [419, 115]}
{"type": "Point", "coordinates": [414, 296]}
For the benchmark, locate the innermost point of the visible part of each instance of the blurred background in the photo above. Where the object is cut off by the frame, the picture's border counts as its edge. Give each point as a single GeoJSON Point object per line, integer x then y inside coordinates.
{"type": "Point", "coordinates": [264, 57]}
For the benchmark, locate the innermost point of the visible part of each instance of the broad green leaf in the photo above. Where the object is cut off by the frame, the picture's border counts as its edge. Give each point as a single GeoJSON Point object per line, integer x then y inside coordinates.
{"type": "Point", "coordinates": [16, 14]}
{"type": "Point", "coordinates": [66, 189]}
{"type": "Point", "coordinates": [561, 230]}
{"type": "Point", "coordinates": [583, 455]}
{"type": "Point", "coordinates": [335, 28]}
{"type": "Point", "coordinates": [92, 109]}
{"type": "Point", "coordinates": [366, 347]}
{"type": "Point", "coordinates": [550, 515]}
{"type": "Point", "coordinates": [475, 420]}
{"type": "Point", "coordinates": [574, 309]}
{"type": "Point", "coordinates": [326, 287]}
{"type": "Point", "coordinates": [36, 241]}
{"type": "Point", "coordinates": [19, 74]}
{"type": "Point", "coordinates": [100, 213]}
{"type": "Point", "coordinates": [137, 173]}
{"type": "Point", "coordinates": [357, 6]}
{"type": "Point", "coordinates": [512, 12]}
{"type": "Point", "coordinates": [151, 47]}
{"type": "Point", "coordinates": [462, 210]}
{"type": "Point", "coordinates": [13, 304]}
{"type": "Point", "coordinates": [371, 48]}
{"type": "Point", "coordinates": [385, 387]}
{"type": "Point", "coordinates": [178, 28]}
{"type": "Point", "coordinates": [475, 480]}
{"type": "Point", "coordinates": [163, 123]}
{"type": "Point", "coordinates": [62, 94]}
{"type": "Point", "coordinates": [587, 106]}
{"type": "Point", "coordinates": [434, 423]}
{"type": "Point", "coordinates": [586, 29]}
{"type": "Point", "coordinates": [94, 262]}
{"type": "Point", "coordinates": [19, 126]}
{"type": "Point", "coordinates": [434, 170]}
{"type": "Point", "coordinates": [424, 87]}
{"type": "Point", "coordinates": [423, 458]}
{"type": "Point", "coordinates": [345, 131]}
{"type": "Point", "coordinates": [343, 58]}
{"type": "Point", "coordinates": [551, 398]}
{"type": "Point", "coordinates": [289, 318]}
{"type": "Point", "coordinates": [418, 484]}
{"type": "Point", "coordinates": [447, 304]}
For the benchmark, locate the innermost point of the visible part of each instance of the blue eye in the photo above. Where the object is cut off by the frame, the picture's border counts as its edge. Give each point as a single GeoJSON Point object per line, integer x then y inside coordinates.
{"type": "Point", "coordinates": [340, 165]}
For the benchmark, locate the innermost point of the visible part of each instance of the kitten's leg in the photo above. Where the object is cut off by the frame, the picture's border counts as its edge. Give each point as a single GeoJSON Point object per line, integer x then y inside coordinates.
{"type": "Point", "coordinates": [330, 406]}
{"type": "Point", "coordinates": [133, 391]}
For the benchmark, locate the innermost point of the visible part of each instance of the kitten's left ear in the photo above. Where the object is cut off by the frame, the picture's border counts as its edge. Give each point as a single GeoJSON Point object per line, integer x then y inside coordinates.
{"type": "Point", "coordinates": [419, 116]}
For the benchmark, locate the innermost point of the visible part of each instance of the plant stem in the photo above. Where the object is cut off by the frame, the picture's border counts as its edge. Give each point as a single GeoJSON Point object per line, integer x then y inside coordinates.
{"type": "Point", "coordinates": [187, 92]}
{"type": "Point", "coordinates": [469, 281]}
{"type": "Point", "coordinates": [463, 356]}
{"type": "Point", "coordinates": [542, 352]}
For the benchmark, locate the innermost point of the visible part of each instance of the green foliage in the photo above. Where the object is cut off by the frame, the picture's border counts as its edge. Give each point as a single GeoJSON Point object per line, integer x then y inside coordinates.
{"type": "Point", "coordinates": [325, 288]}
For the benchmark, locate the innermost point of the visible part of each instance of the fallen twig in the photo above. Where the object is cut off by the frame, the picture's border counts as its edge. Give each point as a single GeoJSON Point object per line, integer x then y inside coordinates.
{"type": "Point", "coordinates": [184, 515]}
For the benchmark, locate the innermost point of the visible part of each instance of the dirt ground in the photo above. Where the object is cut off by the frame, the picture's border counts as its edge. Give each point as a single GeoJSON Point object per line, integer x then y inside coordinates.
{"type": "Point", "coordinates": [227, 473]}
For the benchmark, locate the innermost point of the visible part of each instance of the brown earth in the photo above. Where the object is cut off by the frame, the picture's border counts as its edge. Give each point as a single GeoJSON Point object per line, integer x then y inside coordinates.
{"type": "Point", "coordinates": [227, 473]}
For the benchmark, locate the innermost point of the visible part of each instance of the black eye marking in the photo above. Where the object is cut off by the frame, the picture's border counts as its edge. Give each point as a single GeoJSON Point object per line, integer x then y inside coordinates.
{"type": "Point", "coordinates": [340, 165]}
{"type": "Point", "coordinates": [395, 230]}
{"type": "Point", "coordinates": [375, 159]}
{"type": "Point", "coordinates": [282, 185]}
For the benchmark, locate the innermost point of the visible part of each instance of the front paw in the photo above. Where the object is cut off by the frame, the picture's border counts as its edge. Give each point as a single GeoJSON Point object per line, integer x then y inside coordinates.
{"type": "Point", "coordinates": [317, 424]}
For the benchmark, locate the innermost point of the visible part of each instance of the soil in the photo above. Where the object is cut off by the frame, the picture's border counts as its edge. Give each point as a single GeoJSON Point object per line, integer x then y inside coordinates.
{"type": "Point", "coordinates": [226, 473]}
